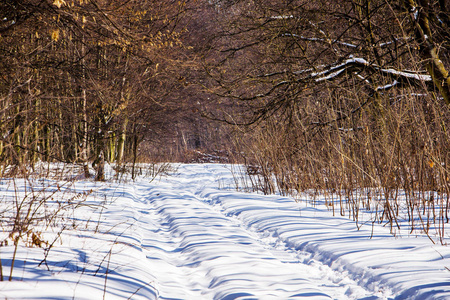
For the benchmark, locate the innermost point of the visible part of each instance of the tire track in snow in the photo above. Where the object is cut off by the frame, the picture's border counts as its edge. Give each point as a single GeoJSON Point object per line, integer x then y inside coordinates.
{"type": "Point", "coordinates": [221, 257]}
{"type": "Point", "coordinates": [258, 216]}
{"type": "Point", "coordinates": [162, 250]}
{"type": "Point", "coordinates": [210, 254]}
{"type": "Point", "coordinates": [340, 284]}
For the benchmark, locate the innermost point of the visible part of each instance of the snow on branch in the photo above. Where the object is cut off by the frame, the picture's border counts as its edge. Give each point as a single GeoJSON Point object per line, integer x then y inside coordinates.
{"type": "Point", "coordinates": [407, 74]}
{"type": "Point", "coordinates": [282, 17]}
{"type": "Point", "coordinates": [387, 86]}
{"type": "Point", "coordinates": [394, 41]}
{"type": "Point", "coordinates": [333, 71]}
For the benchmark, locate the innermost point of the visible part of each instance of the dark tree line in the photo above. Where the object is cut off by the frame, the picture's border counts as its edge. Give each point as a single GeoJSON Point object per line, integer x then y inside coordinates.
{"type": "Point", "coordinates": [85, 78]}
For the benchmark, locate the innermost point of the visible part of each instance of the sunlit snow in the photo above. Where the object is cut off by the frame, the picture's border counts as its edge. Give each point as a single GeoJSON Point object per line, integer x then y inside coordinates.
{"type": "Point", "coordinates": [191, 235]}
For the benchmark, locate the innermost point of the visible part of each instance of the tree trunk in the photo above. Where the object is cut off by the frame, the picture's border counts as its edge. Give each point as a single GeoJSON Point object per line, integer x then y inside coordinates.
{"type": "Point", "coordinates": [121, 142]}
{"type": "Point", "coordinates": [100, 167]}
{"type": "Point", "coordinates": [112, 147]}
{"type": "Point", "coordinates": [84, 121]}
{"type": "Point", "coordinates": [420, 16]}
{"type": "Point", "coordinates": [135, 150]}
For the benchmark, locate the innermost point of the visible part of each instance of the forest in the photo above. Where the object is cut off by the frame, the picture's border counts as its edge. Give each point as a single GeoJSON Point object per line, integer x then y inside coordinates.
{"type": "Point", "coordinates": [347, 97]}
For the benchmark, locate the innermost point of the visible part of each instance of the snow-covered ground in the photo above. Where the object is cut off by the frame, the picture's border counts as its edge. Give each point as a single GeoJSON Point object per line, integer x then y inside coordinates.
{"type": "Point", "coordinates": [191, 235]}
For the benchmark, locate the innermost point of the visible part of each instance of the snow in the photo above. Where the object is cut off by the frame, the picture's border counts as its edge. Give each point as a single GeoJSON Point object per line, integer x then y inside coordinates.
{"type": "Point", "coordinates": [191, 235]}
{"type": "Point", "coordinates": [333, 71]}
{"type": "Point", "coordinates": [387, 86]}
{"type": "Point", "coordinates": [419, 77]}
{"type": "Point", "coordinates": [282, 17]}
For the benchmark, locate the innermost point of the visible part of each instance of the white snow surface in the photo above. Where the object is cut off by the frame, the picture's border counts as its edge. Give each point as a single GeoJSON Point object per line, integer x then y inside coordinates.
{"type": "Point", "coordinates": [191, 235]}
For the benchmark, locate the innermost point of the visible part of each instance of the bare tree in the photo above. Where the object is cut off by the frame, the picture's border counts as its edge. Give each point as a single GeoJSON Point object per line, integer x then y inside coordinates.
{"type": "Point", "coordinates": [341, 95]}
{"type": "Point", "coordinates": [75, 74]}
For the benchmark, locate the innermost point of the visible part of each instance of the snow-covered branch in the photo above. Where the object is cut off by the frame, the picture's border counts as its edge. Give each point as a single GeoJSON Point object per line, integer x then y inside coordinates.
{"type": "Point", "coordinates": [333, 71]}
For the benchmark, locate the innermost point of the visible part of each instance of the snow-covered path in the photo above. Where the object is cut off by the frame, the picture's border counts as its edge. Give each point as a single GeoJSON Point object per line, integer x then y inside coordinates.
{"type": "Point", "coordinates": [208, 255]}
{"type": "Point", "coordinates": [189, 237]}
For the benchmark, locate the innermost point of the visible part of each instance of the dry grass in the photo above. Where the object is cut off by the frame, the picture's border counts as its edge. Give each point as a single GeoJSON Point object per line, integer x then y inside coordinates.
{"type": "Point", "coordinates": [388, 158]}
